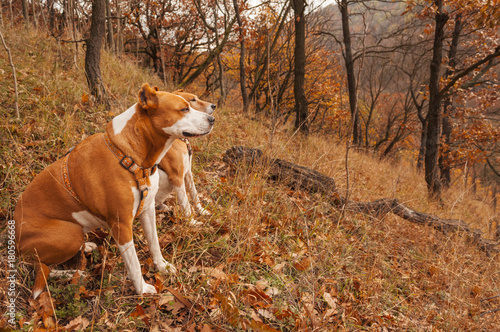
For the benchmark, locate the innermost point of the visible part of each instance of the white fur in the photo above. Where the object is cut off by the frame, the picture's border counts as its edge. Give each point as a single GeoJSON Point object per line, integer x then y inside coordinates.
{"type": "Point", "coordinates": [88, 221]}
{"type": "Point", "coordinates": [148, 221]}
{"type": "Point", "coordinates": [89, 247]}
{"type": "Point", "coordinates": [133, 266]}
{"type": "Point", "coordinates": [166, 188]}
{"type": "Point", "coordinates": [193, 122]}
{"type": "Point", "coordinates": [120, 121]}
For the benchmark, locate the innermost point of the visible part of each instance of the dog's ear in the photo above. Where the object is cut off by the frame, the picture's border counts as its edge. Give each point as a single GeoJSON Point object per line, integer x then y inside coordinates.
{"type": "Point", "coordinates": [147, 97]}
{"type": "Point", "coordinates": [180, 90]}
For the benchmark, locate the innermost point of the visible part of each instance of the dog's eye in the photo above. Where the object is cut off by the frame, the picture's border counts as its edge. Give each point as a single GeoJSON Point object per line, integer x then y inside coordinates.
{"type": "Point", "coordinates": [185, 110]}
{"type": "Point", "coordinates": [194, 99]}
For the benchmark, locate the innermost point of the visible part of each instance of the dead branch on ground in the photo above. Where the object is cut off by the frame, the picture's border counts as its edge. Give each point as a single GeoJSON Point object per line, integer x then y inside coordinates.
{"type": "Point", "coordinates": [302, 178]}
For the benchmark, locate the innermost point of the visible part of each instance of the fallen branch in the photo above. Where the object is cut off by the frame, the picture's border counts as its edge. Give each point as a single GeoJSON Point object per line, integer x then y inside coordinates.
{"type": "Point", "coordinates": [303, 178]}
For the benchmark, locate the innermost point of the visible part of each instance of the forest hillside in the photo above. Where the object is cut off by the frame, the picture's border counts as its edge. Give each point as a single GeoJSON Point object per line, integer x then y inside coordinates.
{"type": "Point", "coordinates": [269, 257]}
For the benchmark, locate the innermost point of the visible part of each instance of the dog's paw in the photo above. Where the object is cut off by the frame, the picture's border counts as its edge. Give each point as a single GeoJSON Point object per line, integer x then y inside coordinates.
{"type": "Point", "coordinates": [89, 247]}
{"type": "Point", "coordinates": [166, 267]}
{"type": "Point", "coordinates": [202, 211]}
{"type": "Point", "coordinates": [163, 208]}
{"type": "Point", "coordinates": [194, 222]}
{"type": "Point", "coordinates": [147, 288]}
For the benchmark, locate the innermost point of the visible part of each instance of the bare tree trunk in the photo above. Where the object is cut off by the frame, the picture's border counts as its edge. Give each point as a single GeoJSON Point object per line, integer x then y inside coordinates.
{"type": "Point", "coordinates": [119, 35]}
{"type": "Point", "coordinates": [162, 58]}
{"type": "Point", "coordinates": [93, 53]}
{"type": "Point", "coordinates": [434, 115]}
{"type": "Point", "coordinates": [444, 159]}
{"type": "Point", "coordinates": [72, 8]}
{"type": "Point", "coordinates": [1, 14]}
{"type": "Point", "coordinates": [351, 78]}
{"type": "Point", "coordinates": [301, 120]}
{"type": "Point", "coordinates": [244, 94]}
{"type": "Point", "coordinates": [34, 14]}
{"type": "Point", "coordinates": [11, 14]}
{"type": "Point", "coordinates": [13, 74]}
{"type": "Point", "coordinates": [24, 5]}
{"type": "Point", "coordinates": [109, 22]}
{"type": "Point", "coordinates": [423, 142]}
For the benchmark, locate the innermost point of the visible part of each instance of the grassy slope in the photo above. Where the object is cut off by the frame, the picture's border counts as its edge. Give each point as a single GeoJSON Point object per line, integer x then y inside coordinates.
{"type": "Point", "coordinates": [270, 254]}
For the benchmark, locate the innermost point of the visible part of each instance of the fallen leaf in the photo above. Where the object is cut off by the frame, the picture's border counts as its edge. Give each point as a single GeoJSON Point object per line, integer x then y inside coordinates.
{"type": "Point", "coordinates": [77, 324]}
{"type": "Point", "coordinates": [304, 264]}
{"type": "Point", "coordinates": [85, 97]}
{"type": "Point", "coordinates": [332, 302]}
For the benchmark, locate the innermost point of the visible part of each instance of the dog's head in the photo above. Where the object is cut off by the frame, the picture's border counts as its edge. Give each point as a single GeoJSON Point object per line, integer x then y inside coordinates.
{"type": "Point", "coordinates": [172, 114]}
{"type": "Point", "coordinates": [196, 103]}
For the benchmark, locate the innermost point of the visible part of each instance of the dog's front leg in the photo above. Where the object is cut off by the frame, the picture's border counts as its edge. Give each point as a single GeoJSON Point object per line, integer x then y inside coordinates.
{"type": "Point", "coordinates": [148, 221]}
{"type": "Point", "coordinates": [133, 266]}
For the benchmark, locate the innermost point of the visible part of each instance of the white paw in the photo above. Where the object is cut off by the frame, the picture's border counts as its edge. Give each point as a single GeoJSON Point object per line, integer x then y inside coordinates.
{"type": "Point", "coordinates": [166, 267]}
{"type": "Point", "coordinates": [89, 247]}
{"type": "Point", "coordinates": [147, 288]}
{"type": "Point", "coordinates": [194, 222]}
{"type": "Point", "coordinates": [203, 211]}
{"type": "Point", "coordinates": [163, 208]}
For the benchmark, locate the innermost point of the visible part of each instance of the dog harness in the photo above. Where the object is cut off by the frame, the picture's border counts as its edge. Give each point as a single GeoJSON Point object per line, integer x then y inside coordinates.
{"type": "Point", "coordinates": [141, 174]}
{"type": "Point", "coordinates": [190, 149]}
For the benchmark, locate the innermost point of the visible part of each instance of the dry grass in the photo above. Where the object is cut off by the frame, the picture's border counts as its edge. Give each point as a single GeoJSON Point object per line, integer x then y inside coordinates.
{"type": "Point", "coordinates": [267, 253]}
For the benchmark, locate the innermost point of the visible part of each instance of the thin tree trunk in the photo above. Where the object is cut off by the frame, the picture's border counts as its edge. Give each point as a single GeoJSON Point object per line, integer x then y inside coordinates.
{"type": "Point", "coordinates": [351, 78]}
{"type": "Point", "coordinates": [109, 26]}
{"type": "Point", "coordinates": [34, 14]}
{"type": "Point", "coordinates": [301, 120]}
{"type": "Point", "coordinates": [444, 159]}
{"type": "Point", "coordinates": [24, 5]}
{"type": "Point", "coordinates": [72, 8]}
{"type": "Point", "coordinates": [244, 94]}
{"type": "Point", "coordinates": [434, 115]}
{"type": "Point", "coordinates": [1, 15]}
{"type": "Point", "coordinates": [93, 53]}
{"type": "Point", "coordinates": [16, 105]}
{"type": "Point", "coordinates": [164, 74]}
{"type": "Point", "coordinates": [119, 35]}
{"type": "Point", "coordinates": [11, 14]}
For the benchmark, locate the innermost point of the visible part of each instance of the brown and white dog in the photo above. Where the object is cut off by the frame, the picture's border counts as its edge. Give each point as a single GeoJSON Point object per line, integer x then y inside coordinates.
{"type": "Point", "coordinates": [175, 167]}
{"type": "Point", "coordinates": [106, 181]}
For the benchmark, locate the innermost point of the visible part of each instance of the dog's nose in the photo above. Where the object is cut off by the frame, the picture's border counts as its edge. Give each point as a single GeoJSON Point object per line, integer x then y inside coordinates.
{"type": "Point", "coordinates": [213, 106]}
{"type": "Point", "coordinates": [211, 119]}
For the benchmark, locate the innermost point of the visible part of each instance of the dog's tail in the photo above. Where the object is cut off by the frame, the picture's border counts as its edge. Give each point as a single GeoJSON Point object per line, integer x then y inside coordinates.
{"type": "Point", "coordinates": [42, 273]}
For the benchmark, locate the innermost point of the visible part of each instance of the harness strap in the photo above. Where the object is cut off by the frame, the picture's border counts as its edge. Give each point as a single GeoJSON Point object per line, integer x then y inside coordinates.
{"type": "Point", "coordinates": [190, 149]}
{"type": "Point", "coordinates": [141, 174]}
{"type": "Point", "coordinates": [67, 181]}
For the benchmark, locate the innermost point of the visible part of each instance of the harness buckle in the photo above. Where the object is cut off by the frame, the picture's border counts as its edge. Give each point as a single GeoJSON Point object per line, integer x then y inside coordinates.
{"type": "Point", "coordinates": [127, 162]}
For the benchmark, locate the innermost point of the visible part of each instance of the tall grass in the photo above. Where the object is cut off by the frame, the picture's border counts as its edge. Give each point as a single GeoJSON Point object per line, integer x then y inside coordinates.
{"type": "Point", "coordinates": [321, 271]}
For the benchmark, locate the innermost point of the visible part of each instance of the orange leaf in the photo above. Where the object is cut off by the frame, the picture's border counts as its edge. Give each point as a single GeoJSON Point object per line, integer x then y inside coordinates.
{"type": "Point", "coordinates": [85, 97]}
{"type": "Point", "coordinates": [304, 264]}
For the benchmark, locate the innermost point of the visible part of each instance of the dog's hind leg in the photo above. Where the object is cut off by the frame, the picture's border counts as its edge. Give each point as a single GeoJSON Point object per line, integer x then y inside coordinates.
{"type": "Point", "coordinates": [54, 243]}
{"type": "Point", "coordinates": [189, 183]}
